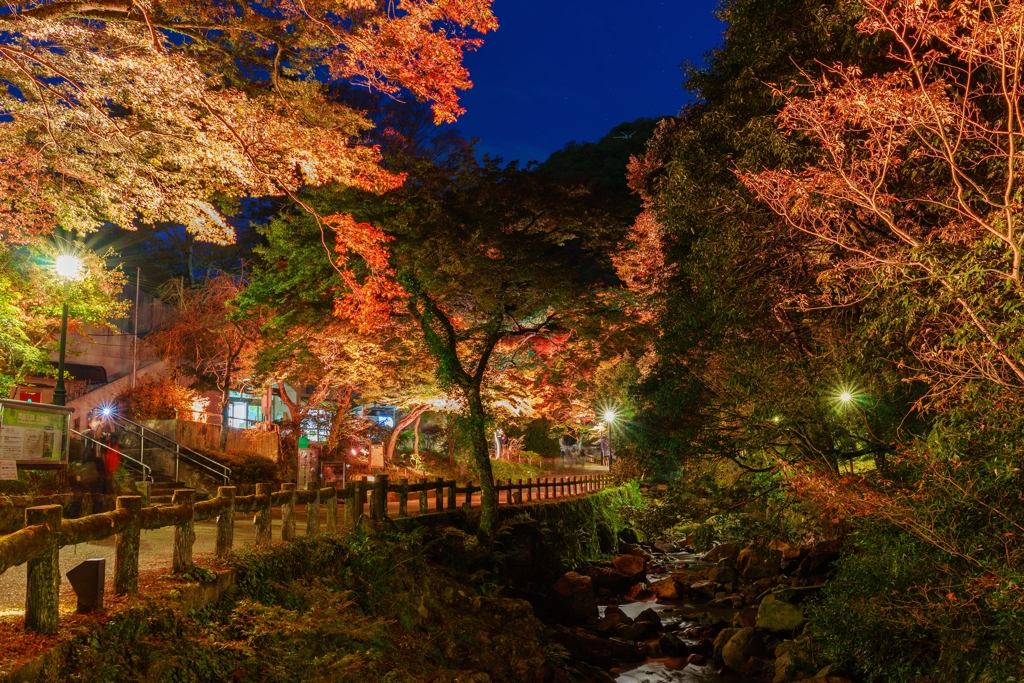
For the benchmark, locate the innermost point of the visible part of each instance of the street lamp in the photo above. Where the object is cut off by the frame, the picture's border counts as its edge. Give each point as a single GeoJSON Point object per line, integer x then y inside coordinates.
{"type": "Point", "coordinates": [609, 419]}
{"type": "Point", "coordinates": [68, 268]}
{"type": "Point", "coordinates": [845, 397]}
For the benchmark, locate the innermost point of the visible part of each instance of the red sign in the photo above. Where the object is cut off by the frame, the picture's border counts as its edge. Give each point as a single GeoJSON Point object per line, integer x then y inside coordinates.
{"type": "Point", "coordinates": [34, 396]}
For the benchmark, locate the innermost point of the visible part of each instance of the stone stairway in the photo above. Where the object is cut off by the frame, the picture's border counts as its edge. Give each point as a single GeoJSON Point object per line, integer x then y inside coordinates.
{"type": "Point", "coordinates": [162, 490]}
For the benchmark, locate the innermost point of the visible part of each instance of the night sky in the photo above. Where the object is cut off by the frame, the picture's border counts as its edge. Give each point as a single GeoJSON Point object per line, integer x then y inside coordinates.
{"type": "Point", "coordinates": [561, 70]}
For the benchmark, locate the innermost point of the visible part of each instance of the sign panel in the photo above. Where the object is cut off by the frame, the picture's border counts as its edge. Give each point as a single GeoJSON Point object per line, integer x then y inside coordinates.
{"type": "Point", "coordinates": [377, 455]}
{"type": "Point", "coordinates": [27, 434]}
{"type": "Point", "coordinates": [8, 469]}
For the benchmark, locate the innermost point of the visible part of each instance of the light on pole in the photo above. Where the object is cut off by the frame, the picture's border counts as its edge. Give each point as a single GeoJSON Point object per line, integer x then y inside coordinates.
{"type": "Point", "coordinates": [609, 419]}
{"type": "Point", "coordinates": [68, 268]}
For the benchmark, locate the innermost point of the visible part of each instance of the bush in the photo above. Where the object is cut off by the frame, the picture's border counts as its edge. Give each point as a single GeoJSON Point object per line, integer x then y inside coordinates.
{"type": "Point", "coordinates": [251, 469]}
{"type": "Point", "coordinates": [158, 400]}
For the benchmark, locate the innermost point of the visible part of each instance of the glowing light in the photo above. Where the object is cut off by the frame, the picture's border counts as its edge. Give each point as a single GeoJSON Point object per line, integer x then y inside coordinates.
{"type": "Point", "coordinates": [106, 411]}
{"type": "Point", "coordinates": [609, 416]}
{"type": "Point", "coordinates": [775, 419]}
{"type": "Point", "coordinates": [354, 452]}
{"type": "Point", "coordinates": [845, 397]}
{"type": "Point", "coordinates": [68, 267]}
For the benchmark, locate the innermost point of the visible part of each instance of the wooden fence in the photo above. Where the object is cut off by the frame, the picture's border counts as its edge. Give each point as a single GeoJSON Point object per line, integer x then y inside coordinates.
{"type": "Point", "coordinates": [46, 532]}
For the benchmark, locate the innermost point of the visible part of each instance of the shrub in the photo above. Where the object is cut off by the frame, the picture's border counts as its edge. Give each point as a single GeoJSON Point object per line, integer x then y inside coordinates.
{"type": "Point", "coordinates": [159, 400]}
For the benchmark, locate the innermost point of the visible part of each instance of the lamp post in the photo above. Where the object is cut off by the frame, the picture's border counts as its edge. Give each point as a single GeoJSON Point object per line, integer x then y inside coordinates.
{"type": "Point", "coordinates": [68, 268]}
{"type": "Point", "coordinates": [609, 419]}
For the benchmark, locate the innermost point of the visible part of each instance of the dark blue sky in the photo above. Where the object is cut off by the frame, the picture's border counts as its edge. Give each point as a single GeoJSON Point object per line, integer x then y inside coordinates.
{"type": "Point", "coordinates": [560, 70]}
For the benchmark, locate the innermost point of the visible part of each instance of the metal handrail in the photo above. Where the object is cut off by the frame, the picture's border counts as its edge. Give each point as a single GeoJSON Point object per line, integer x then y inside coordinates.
{"type": "Point", "coordinates": [179, 451]}
{"type": "Point", "coordinates": [263, 425]}
{"type": "Point", "coordinates": [147, 471]}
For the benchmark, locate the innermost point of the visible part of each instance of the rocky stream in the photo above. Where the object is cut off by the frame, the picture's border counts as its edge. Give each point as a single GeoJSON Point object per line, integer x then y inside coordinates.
{"type": "Point", "coordinates": [660, 613]}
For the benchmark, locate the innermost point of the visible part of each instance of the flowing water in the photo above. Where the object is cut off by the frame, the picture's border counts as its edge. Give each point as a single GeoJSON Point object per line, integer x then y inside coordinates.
{"type": "Point", "coordinates": [676, 615]}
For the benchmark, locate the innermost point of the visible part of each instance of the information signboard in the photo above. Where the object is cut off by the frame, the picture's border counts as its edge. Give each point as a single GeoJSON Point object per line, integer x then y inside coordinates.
{"type": "Point", "coordinates": [377, 455]}
{"type": "Point", "coordinates": [28, 434]}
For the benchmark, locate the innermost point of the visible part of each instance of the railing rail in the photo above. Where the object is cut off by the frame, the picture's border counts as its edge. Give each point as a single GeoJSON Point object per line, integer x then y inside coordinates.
{"type": "Point", "coordinates": [46, 531]}
{"type": "Point", "coordinates": [260, 425]}
{"type": "Point", "coordinates": [171, 446]}
{"type": "Point", "coordinates": [142, 468]}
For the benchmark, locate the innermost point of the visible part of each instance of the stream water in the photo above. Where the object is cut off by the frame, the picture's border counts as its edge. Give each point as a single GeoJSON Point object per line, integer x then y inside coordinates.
{"type": "Point", "coordinates": [675, 615]}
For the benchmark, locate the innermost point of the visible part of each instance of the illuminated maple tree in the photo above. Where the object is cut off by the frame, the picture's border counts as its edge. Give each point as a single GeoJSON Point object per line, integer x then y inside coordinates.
{"type": "Point", "coordinates": [149, 111]}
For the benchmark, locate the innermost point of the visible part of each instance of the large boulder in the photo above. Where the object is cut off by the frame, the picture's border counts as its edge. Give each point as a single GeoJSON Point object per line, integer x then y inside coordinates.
{"type": "Point", "coordinates": [743, 645]}
{"type": "Point", "coordinates": [755, 563]}
{"type": "Point", "coordinates": [672, 646]}
{"type": "Point", "coordinates": [723, 573]}
{"type": "Point", "coordinates": [729, 550]}
{"type": "Point", "coordinates": [820, 558]}
{"type": "Point", "coordinates": [721, 639]}
{"type": "Point", "coordinates": [777, 616]}
{"type": "Point", "coordinates": [668, 589]}
{"type": "Point", "coordinates": [609, 578]}
{"type": "Point", "coordinates": [705, 588]}
{"type": "Point", "coordinates": [574, 599]}
{"type": "Point", "coordinates": [632, 566]}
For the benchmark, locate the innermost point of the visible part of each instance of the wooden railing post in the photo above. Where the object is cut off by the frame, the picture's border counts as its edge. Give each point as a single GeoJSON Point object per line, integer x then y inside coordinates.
{"type": "Point", "coordinates": [288, 512]}
{"type": "Point", "coordinates": [439, 495]}
{"type": "Point", "coordinates": [42, 598]}
{"type": "Point", "coordinates": [126, 543]}
{"type": "Point", "coordinates": [184, 532]}
{"type": "Point", "coordinates": [561, 486]}
{"type": "Point", "coordinates": [379, 509]}
{"type": "Point", "coordinates": [509, 497]}
{"type": "Point", "coordinates": [467, 505]}
{"type": "Point", "coordinates": [332, 511]}
{"type": "Point", "coordinates": [529, 488]}
{"type": "Point", "coordinates": [403, 497]}
{"type": "Point", "coordinates": [313, 514]}
{"type": "Point", "coordinates": [262, 520]}
{"type": "Point", "coordinates": [226, 521]}
{"type": "Point", "coordinates": [144, 488]}
{"type": "Point", "coordinates": [451, 495]}
{"type": "Point", "coordinates": [353, 505]}
{"type": "Point", "coordinates": [423, 496]}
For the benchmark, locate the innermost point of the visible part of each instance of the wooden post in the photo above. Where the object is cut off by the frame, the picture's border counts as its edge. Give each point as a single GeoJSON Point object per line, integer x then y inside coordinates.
{"type": "Point", "coordinates": [332, 512]}
{"type": "Point", "coordinates": [451, 495]}
{"type": "Point", "coordinates": [288, 512]}
{"type": "Point", "coordinates": [529, 488]}
{"type": "Point", "coordinates": [467, 505]}
{"type": "Point", "coordinates": [403, 497]}
{"type": "Point", "coordinates": [379, 509]}
{"type": "Point", "coordinates": [313, 514]}
{"type": "Point", "coordinates": [353, 507]}
{"type": "Point", "coordinates": [42, 598]}
{"type": "Point", "coordinates": [561, 487]}
{"type": "Point", "coordinates": [145, 491]}
{"type": "Point", "coordinates": [262, 519]}
{"type": "Point", "coordinates": [439, 495]}
{"type": "Point", "coordinates": [509, 497]}
{"type": "Point", "coordinates": [423, 496]}
{"type": "Point", "coordinates": [126, 558]}
{"type": "Point", "coordinates": [226, 522]}
{"type": "Point", "coordinates": [184, 532]}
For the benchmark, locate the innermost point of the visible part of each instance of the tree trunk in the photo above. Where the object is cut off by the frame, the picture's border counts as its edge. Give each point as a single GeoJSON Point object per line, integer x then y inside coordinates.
{"type": "Point", "coordinates": [416, 436]}
{"type": "Point", "coordinates": [482, 461]}
{"type": "Point", "coordinates": [413, 416]}
{"type": "Point", "coordinates": [225, 412]}
{"type": "Point", "coordinates": [344, 399]}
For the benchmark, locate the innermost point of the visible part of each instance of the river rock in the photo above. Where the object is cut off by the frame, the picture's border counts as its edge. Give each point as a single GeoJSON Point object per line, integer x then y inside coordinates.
{"type": "Point", "coordinates": [609, 578]}
{"type": "Point", "coordinates": [820, 558]}
{"type": "Point", "coordinates": [777, 616]}
{"type": "Point", "coordinates": [695, 659]}
{"type": "Point", "coordinates": [574, 598]}
{"type": "Point", "coordinates": [730, 550]}
{"type": "Point", "coordinates": [687, 576]}
{"type": "Point", "coordinates": [628, 535]}
{"type": "Point", "coordinates": [672, 646]}
{"type": "Point", "coordinates": [721, 639]}
{"type": "Point", "coordinates": [664, 547]}
{"type": "Point", "coordinates": [648, 615]}
{"type": "Point", "coordinates": [747, 617]}
{"type": "Point", "coordinates": [606, 624]}
{"type": "Point", "coordinates": [615, 609]}
{"type": "Point", "coordinates": [705, 588]}
{"type": "Point", "coordinates": [593, 674]}
{"type": "Point", "coordinates": [633, 566]}
{"type": "Point", "coordinates": [729, 601]}
{"type": "Point", "coordinates": [723, 573]}
{"type": "Point", "coordinates": [667, 589]}
{"type": "Point", "coordinates": [754, 563]}
{"type": "Point", "coordinates": [743, 645]}
{"type": "Point", "coordinates": [627, 632]}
